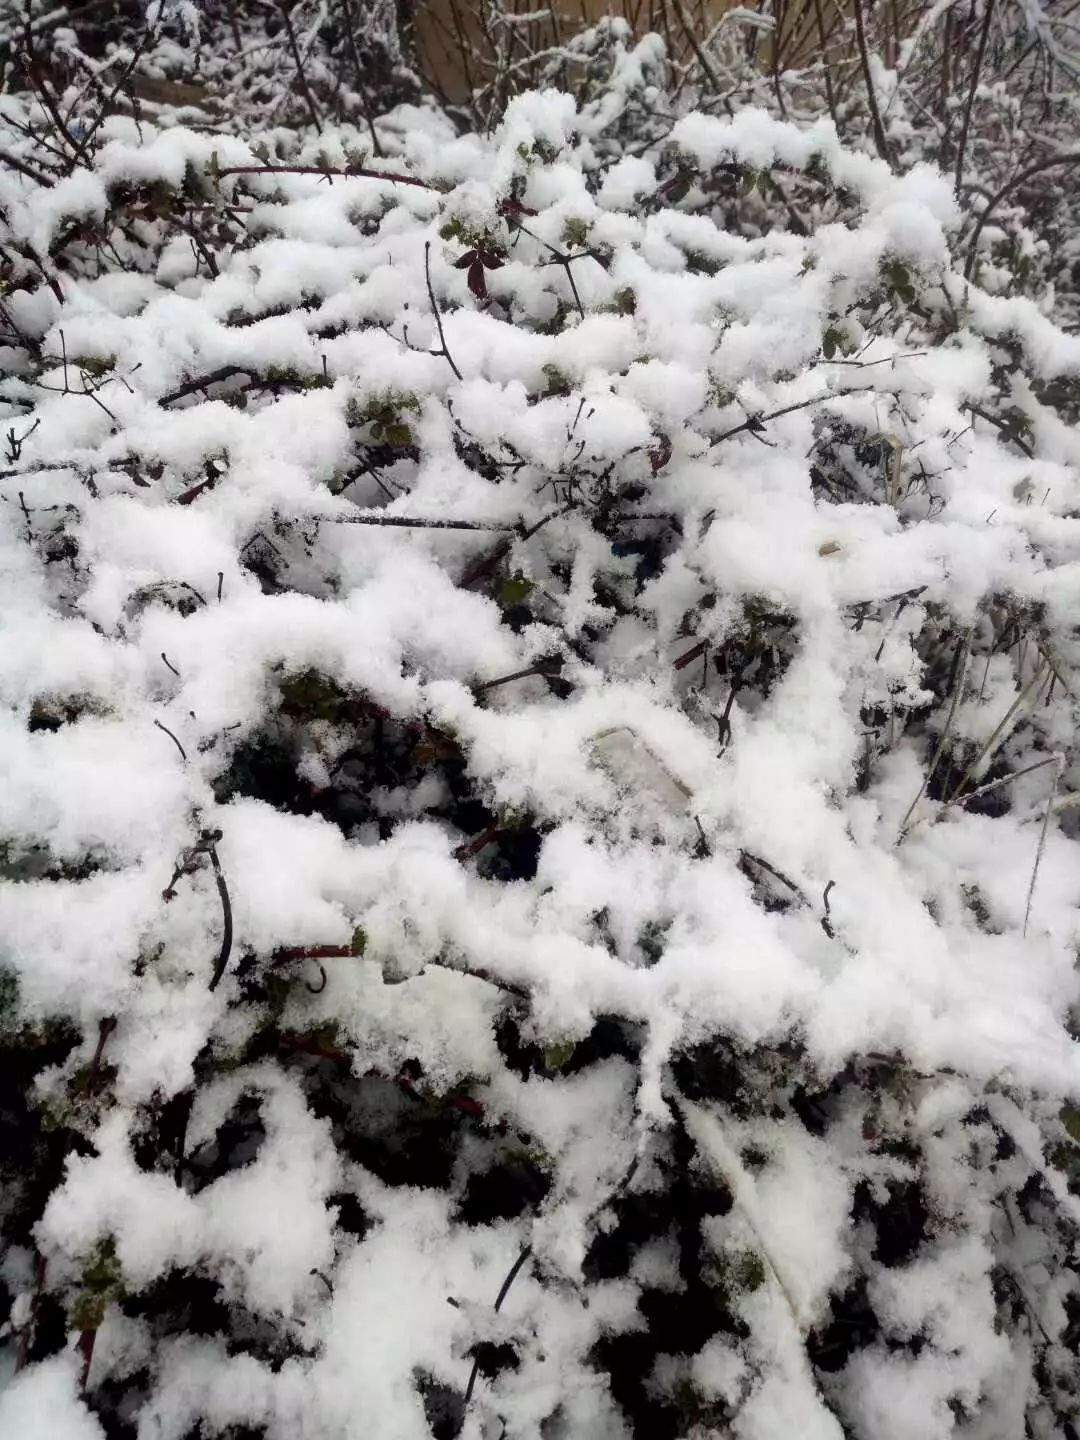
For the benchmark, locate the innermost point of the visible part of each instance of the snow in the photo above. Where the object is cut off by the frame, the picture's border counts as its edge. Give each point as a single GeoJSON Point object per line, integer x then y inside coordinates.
{"type": "Point", "coordinates": [44, 1402]}
{"type": "Point", "coordinates": [286, 825]}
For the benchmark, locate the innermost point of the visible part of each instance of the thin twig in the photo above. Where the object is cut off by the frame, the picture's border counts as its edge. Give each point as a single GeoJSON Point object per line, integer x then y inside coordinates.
{"type": "Point", "coordinates": [881, 144]}
{"type": "Point", "coordinates": [987, 789]}
{"type": "Point", "coordinates": [512, 1274]}
{"type": "Point", "coordinates": [774, 872]}
{"type": "Point", "coordinates": [438, 318]}
{"type": "Point", "coordinates": [405, 522]}
{"type": "Point", "coordinates": [1072, 157]}
{"type": "Point", "coordinates": [348, 173]}
{"type": "Point", "coordinates": [172, 737]}
{"type": "Point", "coordinates": [226, 916]}
{"type": "Point", "coordinates": [301, 77]}
{"type": "Point", "coordinates": [190, 387]}
{"type": "Point", "coordinates": [545, 667]}
{"type": "Point", "coordinates": [988, 15]}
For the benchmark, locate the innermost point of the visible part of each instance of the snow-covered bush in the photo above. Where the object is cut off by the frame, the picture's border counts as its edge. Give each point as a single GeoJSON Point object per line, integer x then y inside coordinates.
{"type": "Point", "coordinates": [537, 830]}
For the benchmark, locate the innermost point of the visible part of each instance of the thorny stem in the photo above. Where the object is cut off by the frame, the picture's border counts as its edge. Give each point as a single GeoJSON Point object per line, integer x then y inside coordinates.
{"type": "Point", "coordinates": [755, 423]}
{"type": "Point", "coordinates": [405, 522]}
{"type": "Point", "coordinates": [313, 952]}
{"type": "Point", "coordinates": [348, 172]}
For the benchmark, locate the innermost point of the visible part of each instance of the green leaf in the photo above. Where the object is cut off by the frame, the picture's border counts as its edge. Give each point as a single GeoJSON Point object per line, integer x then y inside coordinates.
{"type": "Point", "coordinates": [359, 941]}
{"type": "Point", "coordinates": [514, 591]}
{"type": "Point", "coordinates": [678, 189]}
{"type": "Point", "coordinates": [558, 1054]}
{"type": "Point", "coordinates": [576, 232]}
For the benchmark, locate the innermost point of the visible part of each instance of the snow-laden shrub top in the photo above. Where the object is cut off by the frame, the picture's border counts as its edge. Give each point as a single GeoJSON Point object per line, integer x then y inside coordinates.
{"type": "Point", "coordinates": [537, 744]}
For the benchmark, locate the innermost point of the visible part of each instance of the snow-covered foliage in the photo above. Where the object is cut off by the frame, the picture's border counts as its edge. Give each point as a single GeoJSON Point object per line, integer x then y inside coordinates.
{"type": "Point", "coordinates": [538, 845]}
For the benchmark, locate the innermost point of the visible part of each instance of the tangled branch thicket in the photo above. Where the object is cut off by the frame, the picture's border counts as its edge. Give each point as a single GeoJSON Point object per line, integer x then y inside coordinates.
{"type": "Point", "coordinates": [539, 662]}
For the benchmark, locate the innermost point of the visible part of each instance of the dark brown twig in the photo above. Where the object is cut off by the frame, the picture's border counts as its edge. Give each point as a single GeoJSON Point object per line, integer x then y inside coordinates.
{"type": "Point", "coordinates": [1006, 429]}
{"type": "Point", "coordinates": [511, 1276]}
{"type": "Point", "coordinates": [826, 922]}
{"type": "Point", "coordinates": [405, 522]}
{"type": "Point", "coordinates": [301, 77]}
{"type": "Point", "coordinates": [348, 173]}
{"type": "Point", "coordinates": [1072, 157]}
{"type": "Point", "coordinates": [190, 387]}
{"type": "Point", "coordinates": [226, 916]}
{"type": "Point", "coordinates": [689, 656]}
{"type": "Point", "coordinates": [961, 149]}
{"type": "Point", "coordinates": [774, 872]}
{"type": "Point", "coordinates": [172, 737]}
{"type": "Point", "coordinates": [544, 667]}
{"type": "Point", "coordinates": [438, 318]}
{"type": "Point", "coordinates": [880, 142]}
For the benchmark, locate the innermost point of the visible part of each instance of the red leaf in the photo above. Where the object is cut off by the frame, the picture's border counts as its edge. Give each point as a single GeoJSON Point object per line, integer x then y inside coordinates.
{"type": "Point", "coordinates": [511, 208]}
{"type": "Point", "coordinates": [196, 490]}
{"type": "Point", "coordinates": [464, 261]}
{"type": "Point", "coordinates": [477, 283]}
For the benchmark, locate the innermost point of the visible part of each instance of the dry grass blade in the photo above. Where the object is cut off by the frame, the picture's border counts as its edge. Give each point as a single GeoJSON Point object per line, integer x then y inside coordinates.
{"type": "Point", "coordinates": [1000, 733]}
{"type": "Point", "coordinates": [962, 659]}
{"type": "Point", "coordinates": [1060, 759]}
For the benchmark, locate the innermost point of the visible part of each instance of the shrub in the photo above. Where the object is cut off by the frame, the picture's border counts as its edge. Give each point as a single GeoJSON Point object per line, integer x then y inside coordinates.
{"type": "Point", "coordinates": [538, 728]}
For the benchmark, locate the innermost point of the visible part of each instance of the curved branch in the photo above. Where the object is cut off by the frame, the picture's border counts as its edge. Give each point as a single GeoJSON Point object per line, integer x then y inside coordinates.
{"type": "Point", "coordinates": [1071, 157]}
